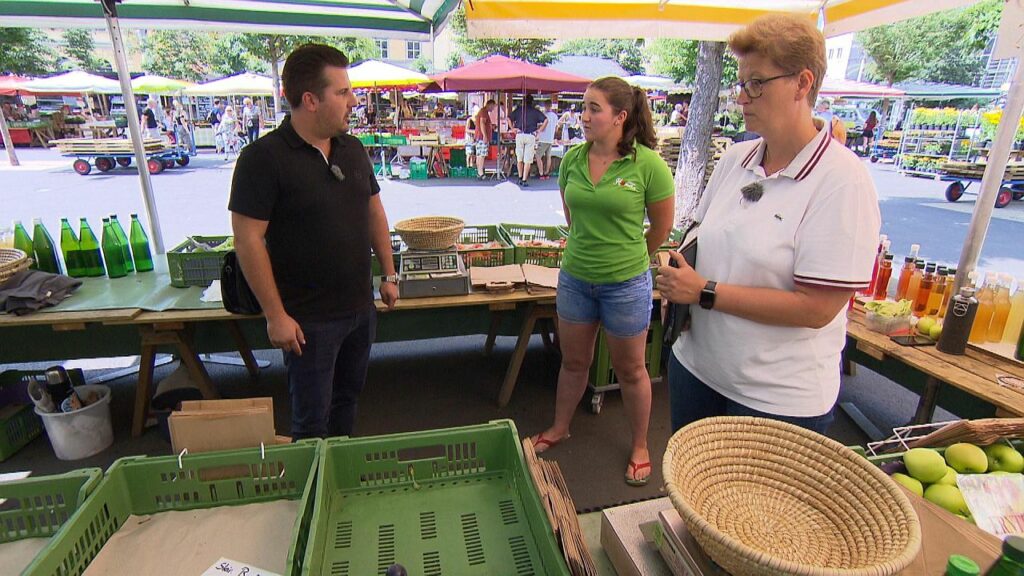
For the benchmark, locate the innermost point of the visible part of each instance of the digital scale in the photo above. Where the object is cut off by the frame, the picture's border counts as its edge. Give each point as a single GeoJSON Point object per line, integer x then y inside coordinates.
{"type": "Point", "coordinates": [424, 273]}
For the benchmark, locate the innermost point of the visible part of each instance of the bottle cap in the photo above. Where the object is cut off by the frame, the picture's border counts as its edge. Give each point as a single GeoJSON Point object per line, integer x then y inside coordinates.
{"type": "Point", "coordinates": [1013, 548]}
{"type": "Point", "coordinates": [930, 267]}
{"type": "Point", "coordinates": [909, 260]}
{"type": "Point", "coordinates": [967, 291]}
{"type": "Point", "coordinates": [958, 565]}
{"type": "Point", "coordinates": [920, 264]}
{"type": "Point", "coordinates": [134, 215]}
{"type": "Point", "coordinates": [56, 375]}
{"type": "Point", "coordinates": [914, 249]}
{"type": "Point", "coordinates": [37, 220]}
{"type": "Point", "coordinates": [943, 271]}
{"type": "Point", "coordinates": [888, 257]}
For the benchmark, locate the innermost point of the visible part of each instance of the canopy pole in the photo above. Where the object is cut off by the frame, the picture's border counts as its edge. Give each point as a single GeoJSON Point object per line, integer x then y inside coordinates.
{"type": "Point", "coordinates": [12, 156]}
{"type": "Point", "coordinates": [992, 180]}
{"type": "Point", "coordinates": [148, 200]}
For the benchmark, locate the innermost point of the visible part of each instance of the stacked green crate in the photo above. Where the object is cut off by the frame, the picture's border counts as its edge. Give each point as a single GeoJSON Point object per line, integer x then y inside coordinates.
{"type": "Point", "coordinates": [602, 376]}
{"type": "Point", "coordinates": [473, 245]}
{"type": "Point", "coordinates": [551, 240]}
{"type": "Point", "coordinates": [458, 158]}
{"type": "Point", "coordinates": [456, 501]}
{"type": "Point", "coordinates": [143, 485]}
{"type": "Point", "coordinates": [418, 171]}
{"type": "Point", "coordinates": [197, 261]}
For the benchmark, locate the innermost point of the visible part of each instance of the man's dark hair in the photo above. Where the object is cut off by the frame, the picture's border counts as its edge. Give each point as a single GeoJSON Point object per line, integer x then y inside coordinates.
{"type": "Point", "coordinates": [216, 101]}
{"type": "Point", "coordinates": [529, 100]}
{"type": "Point", "coordinates": [304, 71]}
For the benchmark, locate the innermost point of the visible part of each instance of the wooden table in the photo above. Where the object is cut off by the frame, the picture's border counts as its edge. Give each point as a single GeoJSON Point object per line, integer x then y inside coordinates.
{"type": "Point", "coordinates": [101, 128]}
{"type": "Point", "coordinates": [973, 373]}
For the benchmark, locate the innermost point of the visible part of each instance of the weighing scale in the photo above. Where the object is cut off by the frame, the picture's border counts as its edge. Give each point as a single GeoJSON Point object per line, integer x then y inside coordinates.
{"type": "Point", "coordinates": [424, 273]}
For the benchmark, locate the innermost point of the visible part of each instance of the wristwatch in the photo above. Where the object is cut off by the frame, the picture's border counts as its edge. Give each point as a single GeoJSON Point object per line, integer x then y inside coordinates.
{"type": "Point", "coordinates": [392, 278]}
{"type": "Point", "coordinates": [707, 295]}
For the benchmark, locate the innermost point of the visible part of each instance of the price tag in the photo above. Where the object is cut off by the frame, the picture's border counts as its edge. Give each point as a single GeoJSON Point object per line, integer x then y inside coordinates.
{"type": "Point", "coordinates": [228, 567]}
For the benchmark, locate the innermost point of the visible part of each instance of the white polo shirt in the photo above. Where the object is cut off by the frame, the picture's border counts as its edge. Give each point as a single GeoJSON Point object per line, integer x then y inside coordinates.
{"type": "Point", "coordinates": [817, 223]}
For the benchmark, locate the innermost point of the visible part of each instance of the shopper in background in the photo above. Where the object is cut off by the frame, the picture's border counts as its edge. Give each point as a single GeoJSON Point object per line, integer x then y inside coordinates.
{"type": "Point", "coordinates": [484, 133]}
{"type": "Point", "coordinates": [149, 121]}
{"type": "Point", "coordinates": [183, 128]}
{"type": "Point", "coordinates": [527, 120]}
{"type": "Point", "coordinates": [869, 131]}
{"type": "Point", "coordinates": [252, 120]}
{"type": "Point", "coordinates": [306, 212]}
{"type": "Point", "coordinates": [545, 141]}
{"type": "Point", "coordinates": [788, 232]}
{"type": "Point", "coordinates": [610, 185]}
{"type": "Point", "coordinates": [228, 132]}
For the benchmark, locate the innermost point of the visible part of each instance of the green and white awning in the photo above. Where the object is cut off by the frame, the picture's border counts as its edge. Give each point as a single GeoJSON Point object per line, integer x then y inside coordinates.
{"type": "Point", "coordinates": [412, 19]}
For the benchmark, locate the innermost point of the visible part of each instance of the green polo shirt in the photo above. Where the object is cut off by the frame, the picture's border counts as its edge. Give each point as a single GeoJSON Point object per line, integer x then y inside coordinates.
{"type": "Point", "coordinates": [606, 238]}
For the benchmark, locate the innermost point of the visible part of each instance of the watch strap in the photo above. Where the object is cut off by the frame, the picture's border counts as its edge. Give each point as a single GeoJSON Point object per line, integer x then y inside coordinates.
{"type": "Point", "coordinates": [707, 295]}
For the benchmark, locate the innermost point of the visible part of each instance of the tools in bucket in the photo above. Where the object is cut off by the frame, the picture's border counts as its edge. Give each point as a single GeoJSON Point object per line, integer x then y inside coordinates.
{"type": "Point", "coordinates": [58, 394]}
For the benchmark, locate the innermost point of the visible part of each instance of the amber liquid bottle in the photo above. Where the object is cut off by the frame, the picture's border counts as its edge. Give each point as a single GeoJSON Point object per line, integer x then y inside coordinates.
{"type": "Point", "coordinates": [924, 291]}
{"type": "Point", "coordinates": [915, 281]}
{"type": "Point", "coordinates": [882, 280]}
{"type": "Point", "coordinates": [986, 307]}
{"type": "Point", "coordinates": [1002, 309]}
{"type": "Point", "coordinates": [937, 296]}
{"type": "Point", "coordinates": [909, 265]}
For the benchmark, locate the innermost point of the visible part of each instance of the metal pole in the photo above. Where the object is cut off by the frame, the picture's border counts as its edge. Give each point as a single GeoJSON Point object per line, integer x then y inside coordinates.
{"type": "Point", "coordinates": [12, 156]}
{"type": "Point", "coordinates": [992, 180]}
{"type": "Point", "coordinates": [148, 200]}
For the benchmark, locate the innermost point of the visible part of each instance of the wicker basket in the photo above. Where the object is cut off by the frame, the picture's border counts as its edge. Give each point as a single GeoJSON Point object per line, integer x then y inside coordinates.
{"type": "Point", "coordinates": [12, 261]}
{"type": "Point", "coordinates": [764, 497]}
{"type": "Point", "coordinates": [430, 232]}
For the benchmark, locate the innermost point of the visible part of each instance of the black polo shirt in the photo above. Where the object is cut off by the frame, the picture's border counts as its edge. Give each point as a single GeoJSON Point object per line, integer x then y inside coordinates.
{"type": "Point", "coordinates": [318, 234]}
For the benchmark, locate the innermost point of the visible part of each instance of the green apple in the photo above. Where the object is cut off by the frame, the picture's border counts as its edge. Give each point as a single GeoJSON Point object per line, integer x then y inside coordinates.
{"type": "Point", "coordinates": [1005, 458]}
{"type": "Point", "coordinates": [909, 483]}
{"type": "Point", "coordinates": [935, 332]}
{"type": "Point", "coordinates": [967, 458]}
{"type": "Point", "coordinates": [949, 497]}
{"type": "Point", "coordinates": [949, 478]}
{"type": "Point", "coordinates": [1000, 473]}
{"type": "Point", "coordinates": [924, 325]}
{"type": "Point", "coordinates": [925, 465]}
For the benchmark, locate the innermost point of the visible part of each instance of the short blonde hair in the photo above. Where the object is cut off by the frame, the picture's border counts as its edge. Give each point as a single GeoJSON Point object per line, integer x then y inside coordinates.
{"type": "Point", "coordinates": [791, 42]}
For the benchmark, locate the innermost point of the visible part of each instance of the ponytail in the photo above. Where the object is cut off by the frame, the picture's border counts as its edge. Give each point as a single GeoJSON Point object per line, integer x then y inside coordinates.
{"type": "Point", "coordinates": [639, 126]}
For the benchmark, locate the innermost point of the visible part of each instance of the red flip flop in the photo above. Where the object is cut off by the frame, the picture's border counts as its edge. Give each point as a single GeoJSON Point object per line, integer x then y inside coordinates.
{"type": "Point", "coordinates": [542, 444]}
{"type": "Point", "coordinates": [631, 471]}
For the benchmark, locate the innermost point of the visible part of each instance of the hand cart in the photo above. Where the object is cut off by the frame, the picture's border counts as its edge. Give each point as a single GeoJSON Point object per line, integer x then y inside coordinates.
{"type": "Point", "coordinates": [108, 153]}
{"type": "Point", "coordinates": [1009, 190]}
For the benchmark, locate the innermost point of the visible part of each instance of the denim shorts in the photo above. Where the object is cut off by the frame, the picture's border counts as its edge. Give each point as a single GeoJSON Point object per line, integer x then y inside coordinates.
{"type": "Point", "coordinates": [622, 308]}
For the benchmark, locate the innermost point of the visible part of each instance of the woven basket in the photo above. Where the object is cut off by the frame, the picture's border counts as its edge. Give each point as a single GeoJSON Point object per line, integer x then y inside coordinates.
{"type": "Point", "coordinates": [768, 498]}
{"type": "Point", "coordinates": [430, 232]}
{"type": "Point", "coordinates": [12, 261]}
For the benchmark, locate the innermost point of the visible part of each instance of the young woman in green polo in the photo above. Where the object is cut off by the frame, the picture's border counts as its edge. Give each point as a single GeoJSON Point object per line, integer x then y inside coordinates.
{"type": "Point", "coordinates": [609, 184]}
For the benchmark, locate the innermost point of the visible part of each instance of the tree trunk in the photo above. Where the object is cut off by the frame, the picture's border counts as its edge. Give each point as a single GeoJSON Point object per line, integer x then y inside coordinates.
{"type": "Point", "coordinates": [693, 153]}
{"type": "Point", "coordinates": [275, 75]}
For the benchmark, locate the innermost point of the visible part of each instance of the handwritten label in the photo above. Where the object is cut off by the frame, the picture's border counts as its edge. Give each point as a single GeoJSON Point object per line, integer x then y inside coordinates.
{"type": "Point", "coordinates": [228, 567]}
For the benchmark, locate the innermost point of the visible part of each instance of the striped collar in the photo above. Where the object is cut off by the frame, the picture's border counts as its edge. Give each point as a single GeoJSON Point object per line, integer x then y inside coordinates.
{"type": "Point", "coordinates": [801, 166]}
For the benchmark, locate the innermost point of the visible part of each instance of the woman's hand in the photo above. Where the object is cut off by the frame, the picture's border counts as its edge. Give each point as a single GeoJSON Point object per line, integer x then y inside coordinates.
{"type": "Point", "coordinates": [680, 285]}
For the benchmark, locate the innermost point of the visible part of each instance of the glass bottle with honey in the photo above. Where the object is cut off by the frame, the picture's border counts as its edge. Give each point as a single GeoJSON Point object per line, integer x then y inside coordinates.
{"type": "Point", "coordinates": [882, 280]}
{"type": "Point", "coordinates": [924, 291]}
{"type": "Point", "coordinates": [1001, 311]}
{"type": "Point", "coordinates": [986, 308]}
{"type": "Point", "coordinates": [909, 265]}
{"type": "Point", "coordinates": [915, 281]}
{"type": "Point", "coordinates": [950, 281]}
{"type": "Point", "coordinates": [1015, 322]}
{"type": "Point", "coordinates": [938, 292]}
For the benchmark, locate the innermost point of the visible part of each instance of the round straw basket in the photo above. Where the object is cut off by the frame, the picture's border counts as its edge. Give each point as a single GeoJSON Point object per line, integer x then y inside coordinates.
{"type": "Point", "coordinates": [12, 261]}
{"type": "Point", "coordinates": [430, 232]}
{"type": "Point", "coordinates": [768, 498]}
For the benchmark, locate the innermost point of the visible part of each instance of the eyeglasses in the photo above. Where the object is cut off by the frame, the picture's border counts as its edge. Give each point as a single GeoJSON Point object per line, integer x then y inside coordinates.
{"type": "Point", "coordinates": [755, 86]}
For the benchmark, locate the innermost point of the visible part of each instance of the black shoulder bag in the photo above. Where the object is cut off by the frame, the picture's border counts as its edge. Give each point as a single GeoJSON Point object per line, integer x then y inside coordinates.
{"type": "Point", "coordinates": [677, 320]}
{"type": "Point", "coordinates": [234, 290]}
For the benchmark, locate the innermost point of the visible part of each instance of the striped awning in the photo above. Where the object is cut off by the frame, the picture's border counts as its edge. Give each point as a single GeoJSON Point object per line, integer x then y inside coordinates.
{"type": "Point", "coordinates": [690, 19]}
{"type": "Point", "coordinates": [413, 19]}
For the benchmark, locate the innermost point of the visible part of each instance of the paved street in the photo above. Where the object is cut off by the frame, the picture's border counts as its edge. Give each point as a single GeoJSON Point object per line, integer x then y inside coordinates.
{"type": "Point", "coordinates": [192, 200]}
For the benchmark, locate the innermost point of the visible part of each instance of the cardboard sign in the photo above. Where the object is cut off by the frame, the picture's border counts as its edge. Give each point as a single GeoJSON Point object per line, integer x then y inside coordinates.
{"type": "Point", "coordinates": [228, 567]}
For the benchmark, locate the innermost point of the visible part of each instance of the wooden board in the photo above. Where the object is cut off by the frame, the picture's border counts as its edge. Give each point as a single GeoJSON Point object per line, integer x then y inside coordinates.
{"type": "Point", "coordinates": [99, 146]}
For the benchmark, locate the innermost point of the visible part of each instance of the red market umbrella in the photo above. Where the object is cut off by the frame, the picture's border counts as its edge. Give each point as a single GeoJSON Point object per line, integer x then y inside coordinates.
{"type": "Point", "coordinates": [11, 85]}
{"type": "Point", "coordinates": [503, 73]}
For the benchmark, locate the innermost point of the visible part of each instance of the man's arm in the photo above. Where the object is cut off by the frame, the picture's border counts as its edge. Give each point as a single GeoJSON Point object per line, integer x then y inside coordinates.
{"type": "Point", "coordinates": [284, 332]}
{"type": "Point", "coordinates": [380, 241]}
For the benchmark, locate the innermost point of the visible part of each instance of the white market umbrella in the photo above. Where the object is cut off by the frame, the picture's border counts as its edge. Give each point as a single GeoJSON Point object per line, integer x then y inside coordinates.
{"type": "Point", "coordinates": [377, 74]}
{"type": "Point", "coordinates": [156, 84]}
{"type": "Point", "coordinates": [660, 83]}
{"type": "Point", "coordinates": [74, 82]}
{"type": "Point", "coordinates": [245, 84]}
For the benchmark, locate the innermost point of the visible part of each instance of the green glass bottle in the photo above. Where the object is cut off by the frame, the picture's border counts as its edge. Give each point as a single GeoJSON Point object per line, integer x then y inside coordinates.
{"type": "Point", "coordinates": [1011, 563]}
{"type": "Point", "coordinates": [140, 246]}
{"type": "Point", "coordinates": [90, 255]}
{"type": "Point", "coordinates": [71, 249]}
{"type": "Point", "coordinates": [23, 242]}
{"type": "Point", "coordinates": [122, 239]}
{"type": "Point", "coordinates": [45, 251]}
{"type": "Point", "coordinates": [112, 253]}
{"type": "Point", "coordinates": [958, 565]}
{"type": "Point", "coordinates": [1019, 353]}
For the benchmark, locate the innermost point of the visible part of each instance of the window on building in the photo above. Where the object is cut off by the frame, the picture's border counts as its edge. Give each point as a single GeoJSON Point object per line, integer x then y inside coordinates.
{"type": "Point", "coordinates": [382, 48]}
{"type": "Point", "coordinates": [412, 50]}
{"type": "Point", "coordinates": [839, 53]}
{"type": "Point", "coordinates": [831, 53]}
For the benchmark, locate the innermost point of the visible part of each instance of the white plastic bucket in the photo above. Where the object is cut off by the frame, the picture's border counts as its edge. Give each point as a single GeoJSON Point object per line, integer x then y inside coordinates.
{"type": "Point", "coordinates": [82, 433]}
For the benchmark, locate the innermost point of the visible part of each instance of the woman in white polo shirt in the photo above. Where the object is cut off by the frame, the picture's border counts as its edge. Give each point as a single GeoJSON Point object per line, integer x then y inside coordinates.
{"type": "Point", "coordinates": [788, 232]}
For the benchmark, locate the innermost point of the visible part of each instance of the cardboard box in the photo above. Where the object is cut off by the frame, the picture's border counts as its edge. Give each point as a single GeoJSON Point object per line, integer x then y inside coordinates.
{"type": "Point", "coordinates": [624, 542]}
{"type": "Point", "coordinates": [209, 425]}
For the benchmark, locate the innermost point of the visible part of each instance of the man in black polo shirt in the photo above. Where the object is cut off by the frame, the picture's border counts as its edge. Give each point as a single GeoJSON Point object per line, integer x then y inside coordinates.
{"type": "Point", "coordinates": [305, 211]}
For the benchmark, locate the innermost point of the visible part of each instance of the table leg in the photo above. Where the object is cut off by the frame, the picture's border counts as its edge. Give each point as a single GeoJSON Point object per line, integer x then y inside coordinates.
{"type": "Point", "coordinates": [243, 349]}
{"type": "Point", "coordinates": [929, 397]}
{"type": "Point", "coordinates": [849, 368]}
{"type": "Point", "coordinates": [195, 367]}
{"type": "Point", "coordinates": [143, 389]}
{"type": "Point", "coordinates": [492, 333]}
{"type": "Point", "coordinates": [522, 342]}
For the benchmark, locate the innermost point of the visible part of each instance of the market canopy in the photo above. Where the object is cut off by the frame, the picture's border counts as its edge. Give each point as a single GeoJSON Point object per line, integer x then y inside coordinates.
{"type": "Point", "coordinates": [377, 74]}
{"type": "Point", "coordinates": [155, 84]}
{"type": "Point", "coordinates": [12, 85]}
{"type": "Point", "coordinates": [74, 82]}
{"type": "Point", "coordinates": [591, 67]}
{"type": "Point", "coordinates": [689, 19]}
{"type": "Point", "coordinates": [852, 89]}
{"type": "Point", "coordinates": [413, 19]}
{"type": "Point", "coordinates": [938, 91]}
{"type": "Point", "coordinates": [659, 83]}
{"type": "Point", "coordinates": [503, 73]}
{"type": "Point", "coordinates": [245, 84]}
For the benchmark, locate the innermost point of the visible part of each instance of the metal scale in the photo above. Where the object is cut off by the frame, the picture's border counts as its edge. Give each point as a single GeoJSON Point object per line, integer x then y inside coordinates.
{"type": "Point", "coordinates": [424, 273]}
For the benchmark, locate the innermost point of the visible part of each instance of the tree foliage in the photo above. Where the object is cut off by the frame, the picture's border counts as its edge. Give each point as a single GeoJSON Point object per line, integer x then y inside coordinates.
{"type": "Point", "coordinates": [81, 51]}
{"type": "Point", "coordinates": [537, 51]}
{"type": "Point", "coordinates": [941, 47]}
{"type": "Point", "coordinates": [628, 53]}
{"type": "Point", "coordinates": [677, 59]}
{"type": "Point", "coordinates": [177, 54]}
{"type": "Point", "coordinates": [24, 52]}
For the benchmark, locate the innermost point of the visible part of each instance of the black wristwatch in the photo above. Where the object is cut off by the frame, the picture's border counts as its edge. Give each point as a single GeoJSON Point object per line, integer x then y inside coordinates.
{"type": "Point", "coordinates": [707, 295]}
{"type": "Point", "coordinates": [392, 278]}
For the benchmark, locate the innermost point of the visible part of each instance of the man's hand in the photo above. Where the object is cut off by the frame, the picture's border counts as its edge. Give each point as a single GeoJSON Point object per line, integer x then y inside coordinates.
{"type": "Point", "coordinates": [389, 294]}
{"type": "Point", "coordinates": [680, 285]}
{"type": "Point", "coordinates": [285, 333]}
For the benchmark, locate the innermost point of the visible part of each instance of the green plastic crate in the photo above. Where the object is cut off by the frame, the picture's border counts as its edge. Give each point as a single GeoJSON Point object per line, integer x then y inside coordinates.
{"type": "Point", "coordinates": [485, 256]}
{"type": "Point", "coordinates": [149, 485]}
{"type": "Point", "coordinates": [366, 139]}
{"type": "Point", "coordinates": [602, 376]}
{"type": "Point", "coordinates": [38, 507]}
{"type": "Point", "coordinates": [541, 256]}
{"type": "Point", "coordinates": [456, 501]}
{"type": "Point", "coordinates": [457, 158]}
{"type": "Point", "coordinates": [19, 425]}
{"type": "Point", "coordinates": [196, 268]}
{"type": "Point", "coordinates": [418, 171]}
{"type": "Point", "coordinates": [392, 139]}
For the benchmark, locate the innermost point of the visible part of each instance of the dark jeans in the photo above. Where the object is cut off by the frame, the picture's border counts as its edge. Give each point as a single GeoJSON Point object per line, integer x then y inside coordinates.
{"type": "Point", "coordinates": [325, 382]}
{"type": "Point", "coordinates": [253, 132]}
{"type": "Point", "coordinates": [691, 400]}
